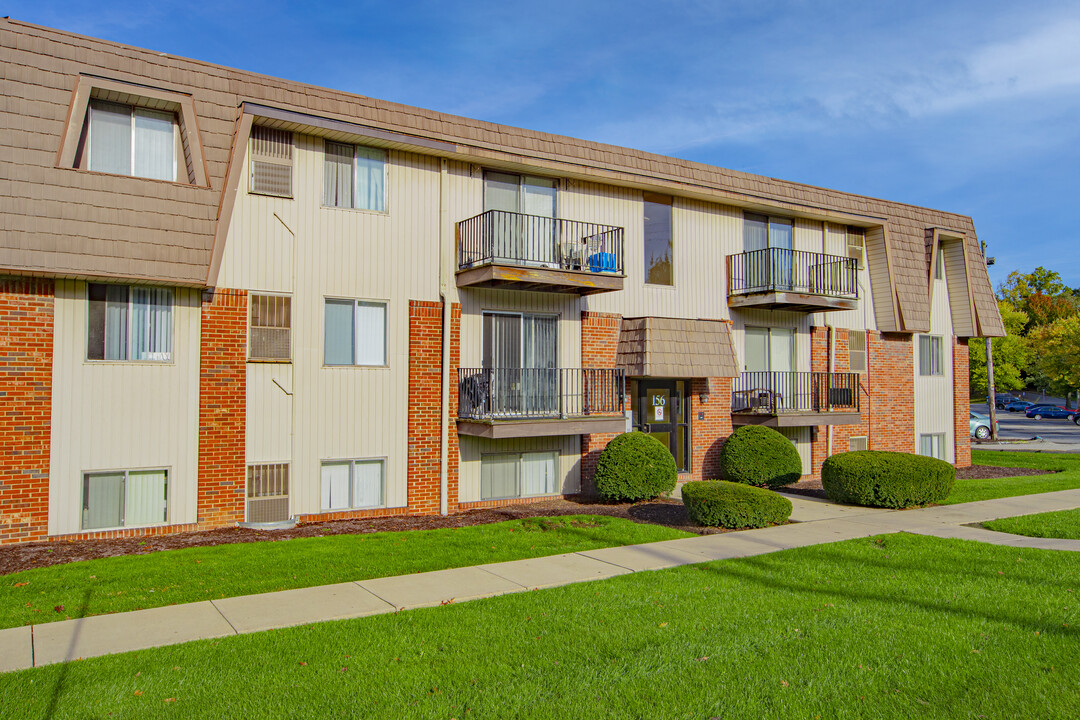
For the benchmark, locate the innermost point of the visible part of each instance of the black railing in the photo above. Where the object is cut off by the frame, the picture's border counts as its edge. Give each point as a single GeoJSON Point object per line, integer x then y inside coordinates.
{"type": "Point", "coordinates": [512, 238]}
{"type": "Point", "coordinates": [785, 392]}
{"type": "Point", "coordinates": [522, 393]}
{"type": "Point", "coordinates": [783, 270]}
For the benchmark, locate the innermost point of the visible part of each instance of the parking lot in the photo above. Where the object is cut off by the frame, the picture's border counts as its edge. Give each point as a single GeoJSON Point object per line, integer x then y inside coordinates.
{"type": "Point", "coordinates": [1015, 426]}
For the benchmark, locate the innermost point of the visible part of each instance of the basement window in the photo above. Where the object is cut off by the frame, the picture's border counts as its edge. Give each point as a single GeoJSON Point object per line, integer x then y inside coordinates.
{"type": "Point", "coordinates": [124, 498]}
{"type": "Point", "coordinates": [352, 484]}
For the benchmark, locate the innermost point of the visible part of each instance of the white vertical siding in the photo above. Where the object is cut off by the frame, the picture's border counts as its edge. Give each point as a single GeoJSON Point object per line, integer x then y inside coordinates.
{"type": "Point", "coordinates": [269, 413]}
{"type": "Point", "coordinates": [122, 415]}
{"type": "Point", "coordinates": [934, 394]}
{"type": "Point", "coordinates": [800, 438]}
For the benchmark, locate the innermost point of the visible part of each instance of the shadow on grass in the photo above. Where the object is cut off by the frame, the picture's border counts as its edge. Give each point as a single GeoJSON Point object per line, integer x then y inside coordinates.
{"type": "Point", "coordinates": [65, 668]}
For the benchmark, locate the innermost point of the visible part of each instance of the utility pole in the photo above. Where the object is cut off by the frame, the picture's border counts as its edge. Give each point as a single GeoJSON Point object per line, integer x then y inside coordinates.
{"type": "Point", "coordinates": [991, 395]}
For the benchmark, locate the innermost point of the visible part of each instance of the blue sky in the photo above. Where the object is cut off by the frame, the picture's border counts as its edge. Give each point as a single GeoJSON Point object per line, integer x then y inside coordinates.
{"type": "Point", "coordinates": [971, 106]}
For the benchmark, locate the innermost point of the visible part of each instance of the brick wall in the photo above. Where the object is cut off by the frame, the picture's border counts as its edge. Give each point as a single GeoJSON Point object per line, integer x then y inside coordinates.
{"type": "Point", "coordinates": [26, 352]}
{"type": "Point", "coordinates": [710, 426]}
{"type": "Point", "coordinates": [599, 345]}
{"type": "Point", "coordinates": [961, 403]}
{"type": "Point", "coordinates": [892, 392]}
{"type": "Point", "coordinates": [222, 408]}
{"type": "Point", "coordinates": [425, 386]}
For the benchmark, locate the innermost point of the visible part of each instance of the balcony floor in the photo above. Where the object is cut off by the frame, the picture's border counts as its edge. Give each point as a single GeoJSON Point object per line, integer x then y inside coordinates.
{"type": "Point", "coordinates": [497, 429]}
{"type": "Point", "coordinates": [538, 278]}
{"type": "Point", "coordinates": [792, 301]}
{"type": "Point", "coordinates": [795, 419]}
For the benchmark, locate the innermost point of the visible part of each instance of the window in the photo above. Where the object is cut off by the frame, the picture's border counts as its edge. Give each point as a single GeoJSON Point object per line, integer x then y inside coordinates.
{"type": "Point", "coordinates": [939, 264]}
{"type": "Point", "coordinates": [931, 360]}
{"type": "Point", "coordinates": [125, 498]}
{"type": "Point", "coordinates": [269, 333]}
{"type": "Point", "coordinates": [267, 493]}
{"type": "Point", "coordinates": [354, 176]}
{"type": "Point", "coordinates": [932, 445]}
{"type": "Point", "coordinates": [354, 333]}
{"type": "Point", "coordinates": [129, 323]}
{"type": "Point", "coordinates": [856, 443]}
{"type": "Point", "coordinates": [509, 475]}
{"type": "Point", "coordinates": [128, 140]}
{"type": "Point", "coordinates": [856, 245]}
{"type": "Point", "coordinates": [659, 241]}
{"type": "Point", "coordinates": [271, 162]}
{"type": "Point", "coordinates": [857, 350]}
{"type": "Point", "coordinates": [352, 484]}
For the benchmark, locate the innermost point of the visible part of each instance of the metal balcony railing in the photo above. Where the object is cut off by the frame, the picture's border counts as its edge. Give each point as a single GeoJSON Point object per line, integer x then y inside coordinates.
{"type": "Point", "coordinates": [783, 270]}
{"type": "Point", "coordinates": [538, 393]}
{"type": "Point", "coordinates": [513, 238]}
{"type": "Point", "coordinates": [773, 393]}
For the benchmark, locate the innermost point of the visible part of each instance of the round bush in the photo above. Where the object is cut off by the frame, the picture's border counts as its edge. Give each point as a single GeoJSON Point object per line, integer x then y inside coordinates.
{"type": "Point", "coordinates": [875, 478]}
{"type": "Point", "coordinates": [757, 455]}
{"type": "Point", "coordinates": [635, 466]}
{"type": "Point", "coordinates": [719, 503]}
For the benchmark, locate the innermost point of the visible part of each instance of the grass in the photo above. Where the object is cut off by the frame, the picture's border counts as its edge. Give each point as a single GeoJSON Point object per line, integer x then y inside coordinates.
{"type": "Point", "coordinates": [1066, 477]}
{"type": "Point", "coordinates": [135, 582]}
{"type": "Point", "coordinates": [899, 626]}
{"type": "Point", "coordinates": [1062, 524]}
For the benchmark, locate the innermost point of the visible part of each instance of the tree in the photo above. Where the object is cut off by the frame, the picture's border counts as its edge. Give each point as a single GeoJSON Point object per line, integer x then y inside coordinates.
{"type": "Point", "coordinates": [1012, 355]}
{"type": "Point", "coordinates": [1040, 294]}
{"type": "Point", "coordinates": [1056, 347]}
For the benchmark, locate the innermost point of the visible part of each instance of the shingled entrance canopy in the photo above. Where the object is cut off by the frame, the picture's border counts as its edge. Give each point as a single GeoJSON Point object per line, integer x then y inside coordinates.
{"type": "Point", "coordinates": [674, 348]}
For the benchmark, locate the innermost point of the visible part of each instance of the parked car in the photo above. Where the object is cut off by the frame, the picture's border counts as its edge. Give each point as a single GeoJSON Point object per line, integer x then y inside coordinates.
{"type": "Point", "coordinates": [1019, 405]}
{"type": "Point", "coordinates": [980, 426]}
{"type": "Point", "coordinates": [1002, 399]}
{"type": "Point", "coordinates": [1050, 411]}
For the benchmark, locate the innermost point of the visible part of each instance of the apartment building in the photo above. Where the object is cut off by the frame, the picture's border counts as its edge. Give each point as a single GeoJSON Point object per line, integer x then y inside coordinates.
{"type": "Point", "coordinates": [231, 298]}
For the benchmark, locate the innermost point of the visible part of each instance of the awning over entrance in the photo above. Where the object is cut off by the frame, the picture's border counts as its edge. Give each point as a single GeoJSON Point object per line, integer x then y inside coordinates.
{"type": "Point", "coordinates": [676, 348]}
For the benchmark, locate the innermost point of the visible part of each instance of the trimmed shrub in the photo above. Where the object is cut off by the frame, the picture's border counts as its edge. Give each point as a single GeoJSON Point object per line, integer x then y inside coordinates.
{"type": "Point", "coordinates": [635, 466]}
{"type": "Point", "coordinates": [757, 455]}
{"type": "Point", "coordinates": [719, 503]}
{"type": "Point", "coordinates": [875, 478]}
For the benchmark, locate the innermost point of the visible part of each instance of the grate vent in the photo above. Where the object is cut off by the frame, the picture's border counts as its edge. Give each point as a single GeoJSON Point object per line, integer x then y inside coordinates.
{"type": "Point", "coordinates": [270, 334]}
{"type": "Point", "coordinates": [271, 162]}
{"type": "Point", "coordinates": [268, 493]}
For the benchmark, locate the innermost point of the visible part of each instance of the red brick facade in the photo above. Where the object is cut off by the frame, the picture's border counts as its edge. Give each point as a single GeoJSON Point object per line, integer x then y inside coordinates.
{"type": "Point", "coordinates": [961, 403]}
{"type": "Point", "coordinates": [599, 346]}
{"type": "Point", "coordinates": [26, 353]}
{"type": "Point", "coordinates": [222, 408]}
{"type": "Point", "coordinates": [425, 411]}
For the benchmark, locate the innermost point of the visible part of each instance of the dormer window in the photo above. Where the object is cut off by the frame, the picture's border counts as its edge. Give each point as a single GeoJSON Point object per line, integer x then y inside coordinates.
{"type": "Point", "coordinates": [128, 140]}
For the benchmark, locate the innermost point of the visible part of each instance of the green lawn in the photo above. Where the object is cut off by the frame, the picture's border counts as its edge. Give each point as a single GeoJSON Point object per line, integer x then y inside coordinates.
{"type": "Point", "coordinates": [899, 626]}
{"type": "Point", "coordinates": [135, 582]}
{"type": "Point", "coordinates": [1067, 478]}
{"type": "Point", "coordinates": [1063, 524]}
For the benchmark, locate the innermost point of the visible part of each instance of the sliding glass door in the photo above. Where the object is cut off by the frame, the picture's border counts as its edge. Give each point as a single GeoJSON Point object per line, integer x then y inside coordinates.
{"type": "Point", "coordinates": [521, 354]}
{"type": "Point", "coordinates": [524, 232]}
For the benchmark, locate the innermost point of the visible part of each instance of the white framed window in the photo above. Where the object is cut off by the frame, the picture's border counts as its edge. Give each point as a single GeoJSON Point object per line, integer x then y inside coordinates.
{"type": "Point", "coordinates": [353, 484]}
{"type": "Point", "coordinates": [857, 350]}
{"type": "Point", "coordinates": [270, 327]}
{"type": "Point", "coordinates": [932, 445]}
{"type": "Point", "coordinates": [129, 140]}
{"type": "Point", "coordinates": [124, 498]}
{"type": "Point", "coordinates": [129, 323]}
{"type": "Point", "coordinates": [857, 443]}
{"type": "Point", "coordinates": [939, 264]}
{"type": "Point", "coordinates": [354, 333]}
{"type": "Point", "coordinates": [856, 245]}
{"type": "Point", "coordinates": [354, 176]}
{"type": "Point", "coordinates": [931, 355]}
{"type": "Point", "coordinates": [511, 475]}
{"type": "Point", "coordinates": [271, 162]}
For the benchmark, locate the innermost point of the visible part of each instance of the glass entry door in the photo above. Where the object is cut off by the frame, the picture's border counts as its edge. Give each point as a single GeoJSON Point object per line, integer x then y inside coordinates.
{"type": "Point", "coordinates": [662, 411]}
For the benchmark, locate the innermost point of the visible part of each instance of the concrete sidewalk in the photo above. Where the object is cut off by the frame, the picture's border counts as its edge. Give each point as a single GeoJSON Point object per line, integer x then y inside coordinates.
{"type": "Point", "coordinates": [815, 522]}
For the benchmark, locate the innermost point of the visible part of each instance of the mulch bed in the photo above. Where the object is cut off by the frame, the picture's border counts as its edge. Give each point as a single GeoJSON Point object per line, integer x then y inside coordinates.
{"type": "Point", "coordinates": [812, 488]}
{"type": "Point", "coordinates": [14, 558]}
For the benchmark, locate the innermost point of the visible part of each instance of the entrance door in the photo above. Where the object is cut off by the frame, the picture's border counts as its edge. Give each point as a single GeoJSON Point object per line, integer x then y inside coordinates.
{"type": "Point", "coordinates": [662, 412]}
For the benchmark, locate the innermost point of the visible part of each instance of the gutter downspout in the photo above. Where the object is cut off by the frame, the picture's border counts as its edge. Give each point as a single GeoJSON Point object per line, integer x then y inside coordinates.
{"type": "Point", "coordinates": [444, 400]}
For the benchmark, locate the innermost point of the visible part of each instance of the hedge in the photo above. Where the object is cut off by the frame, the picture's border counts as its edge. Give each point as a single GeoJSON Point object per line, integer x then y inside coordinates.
{"type": "Point", "coordinates": [635, 466]}
{"type": "Point", "coordinates": [876, 478]}
{"type": "Point", "coordinates": [758, 455]}
{"type": "Point", "coordinates": [734, 505]}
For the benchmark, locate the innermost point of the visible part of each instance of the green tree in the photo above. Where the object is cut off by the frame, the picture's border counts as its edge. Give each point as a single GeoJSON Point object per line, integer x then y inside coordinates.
{"type": "Point", "coordinates": [1012, 355]}
{"type": "Point", "coordinates": [1057, 354]}
{"type": "Point", "coordinates": [1040, 294]}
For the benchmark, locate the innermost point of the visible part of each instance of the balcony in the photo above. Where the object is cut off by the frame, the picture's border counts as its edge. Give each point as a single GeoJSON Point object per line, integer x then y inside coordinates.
{"type": "Point", "coordinates": [499, 249]}
{"type": "Point", "coordinates": [795, 399]}
{"type": "Point", "coordinates": [782, 279]}
{"type": "Point", "coordinates": [535, 402]}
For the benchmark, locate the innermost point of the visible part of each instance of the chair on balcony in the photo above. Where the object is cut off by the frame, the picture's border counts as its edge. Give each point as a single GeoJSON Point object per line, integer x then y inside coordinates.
{"type": "Point", "coordinates": [759, 400]}
{"type": "Point", "coordinates": [599, 261]}
{"type": "Point", "coordinates": [475, 396]}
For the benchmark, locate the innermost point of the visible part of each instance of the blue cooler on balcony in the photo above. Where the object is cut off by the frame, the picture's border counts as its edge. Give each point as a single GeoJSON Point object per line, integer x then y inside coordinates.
{"type": "Point", "coordinates": [602, 262]}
